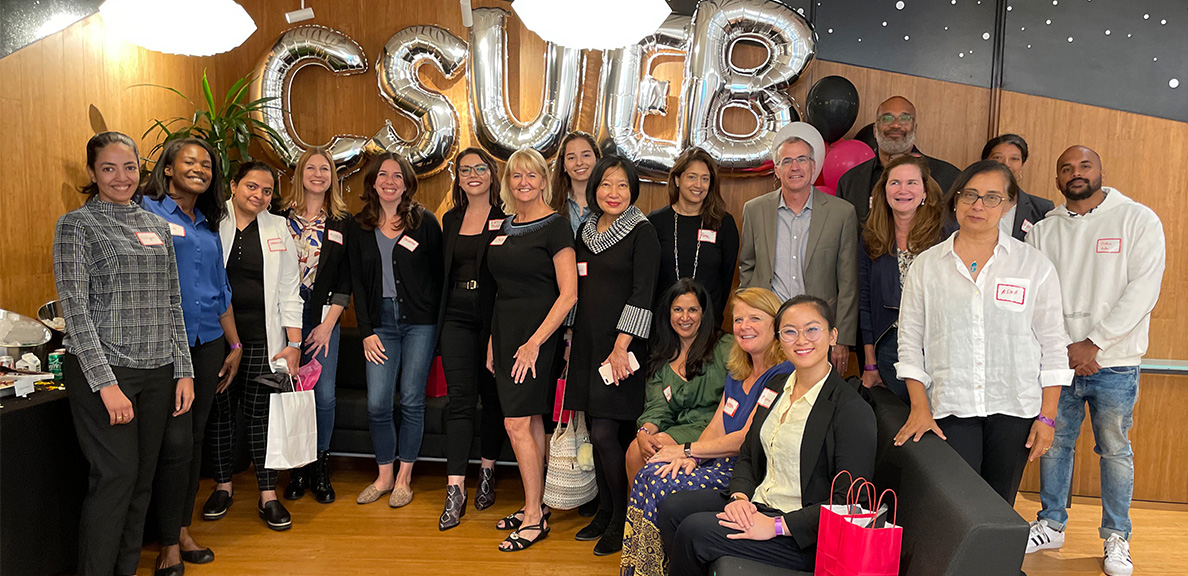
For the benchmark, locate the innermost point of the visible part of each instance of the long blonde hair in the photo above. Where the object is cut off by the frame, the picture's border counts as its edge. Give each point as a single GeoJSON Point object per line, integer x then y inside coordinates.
{"type": "Point", "coordinates": [764, 300]}
{"type": "Point", "coordinates": [524, 158]}
{"type": "Point", "coordinates": [295, 199]}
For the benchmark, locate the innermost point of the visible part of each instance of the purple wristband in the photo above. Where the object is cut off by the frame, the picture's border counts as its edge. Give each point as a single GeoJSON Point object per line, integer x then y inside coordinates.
{"type": "Point", "coordinates": [237, 346]}
{"type": "Point", "coordinates": [779, 526]}
{"type": "Point", "coordinates": [871, 367]}
{"type": "Point", "coordinates": [1046, 420]}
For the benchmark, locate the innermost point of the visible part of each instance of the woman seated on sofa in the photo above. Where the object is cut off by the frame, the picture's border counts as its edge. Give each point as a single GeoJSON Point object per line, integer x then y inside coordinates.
{"type": "Point", "coordinates": [753, 360]}
{"type": "Point", "coordinates": [770, 511]}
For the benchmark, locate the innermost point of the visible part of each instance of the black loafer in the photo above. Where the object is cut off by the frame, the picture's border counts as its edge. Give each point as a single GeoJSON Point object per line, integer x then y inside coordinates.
{"type": "Point", "coordinates": [175, 570]}
{"type": "Point", "coordinates": [203, 556]}
{"type": "Point", "coordinates": [596, 527]}
{"type": "Point", "coordinates": [610, 543]}
{"type": "Point", "coordinates": [217, 505]}
{"type": "Point", "coordinates": [274, 514]}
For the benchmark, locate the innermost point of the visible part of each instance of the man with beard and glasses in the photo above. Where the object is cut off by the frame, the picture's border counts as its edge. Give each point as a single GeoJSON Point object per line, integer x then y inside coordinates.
{"type": "Point", "coordinates": [1109, 254]}
{"type": "Point", "coordinates": [895, 132]}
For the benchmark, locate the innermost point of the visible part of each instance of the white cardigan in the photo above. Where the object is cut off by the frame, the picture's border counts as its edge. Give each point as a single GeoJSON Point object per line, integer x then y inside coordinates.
{"type": "Point", "coordinates": [282, 302]}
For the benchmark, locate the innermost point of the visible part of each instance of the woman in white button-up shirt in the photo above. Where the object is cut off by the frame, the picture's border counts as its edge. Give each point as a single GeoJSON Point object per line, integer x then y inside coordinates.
{"type": "Point", "coordinates": [982, 344]}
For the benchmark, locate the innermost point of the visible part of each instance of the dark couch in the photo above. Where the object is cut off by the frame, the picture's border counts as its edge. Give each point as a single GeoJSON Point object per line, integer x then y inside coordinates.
{"type": "Point", "coordinates": [351, 433]}
{"type": "Point", "coordinates": [953, 523]}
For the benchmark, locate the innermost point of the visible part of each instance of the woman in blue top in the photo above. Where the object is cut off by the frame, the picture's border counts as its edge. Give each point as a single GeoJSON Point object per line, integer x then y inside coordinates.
{"type": "Point", "coordinates": [186, 189]}
{"type": "Point", "coordinates": [708, 462]}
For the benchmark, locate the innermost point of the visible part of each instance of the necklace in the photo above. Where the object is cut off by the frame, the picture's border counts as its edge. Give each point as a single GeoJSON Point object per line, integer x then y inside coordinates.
{"type": "Point", "coordinates": [676, 255]}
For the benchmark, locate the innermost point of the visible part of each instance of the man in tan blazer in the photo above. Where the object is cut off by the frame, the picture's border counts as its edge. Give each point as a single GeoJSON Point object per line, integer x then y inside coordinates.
{"type": "Point", "coordinates": [798, 240]}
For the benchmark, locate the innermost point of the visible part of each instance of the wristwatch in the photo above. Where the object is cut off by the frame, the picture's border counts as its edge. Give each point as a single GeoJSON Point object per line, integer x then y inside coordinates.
{"type": "Point", "coordinates": [688, 449]}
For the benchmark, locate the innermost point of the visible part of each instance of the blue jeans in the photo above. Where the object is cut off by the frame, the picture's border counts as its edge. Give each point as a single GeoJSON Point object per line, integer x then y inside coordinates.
{"type": "Point", "coordinates": [1111, 394]}
{"type": "Point", "coordinates": [324, 390]}
{"type": "Point", "coordinates": [414, 344]}
{"type": "Point", "coordinates": [886, 355]}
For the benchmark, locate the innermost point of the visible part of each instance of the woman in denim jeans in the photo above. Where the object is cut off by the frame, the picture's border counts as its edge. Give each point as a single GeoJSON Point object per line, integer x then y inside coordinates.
{"type": "Point", "coordinates": [395, 248]}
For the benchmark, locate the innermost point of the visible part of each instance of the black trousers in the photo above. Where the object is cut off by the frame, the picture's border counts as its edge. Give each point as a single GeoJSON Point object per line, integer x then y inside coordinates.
{"type": "Point", "coordinates": [464, 357]}
{"type": "Point", "coordinates": [123, 459]}
{"type": "Point", "coordinates": [693, 539]}
{"type": "Point", "coordinates": [994, 446]}
{"type": "Point", "coordinates": [175, 486]}
{"type": "Point", "coordinates": [252, 398]}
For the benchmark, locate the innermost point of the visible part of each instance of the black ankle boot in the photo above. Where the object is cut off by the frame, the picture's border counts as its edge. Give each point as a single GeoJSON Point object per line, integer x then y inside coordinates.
{"type": "Point", "coordinates": [455, 508]}
{"type": "Point", "coordinates": [611, 541]}
{"type": "Point", "coordinates": [320, 482]}
{"type": "Point", "coordinates": [298, 480]}
{"type": "Point", "coordinates": [596, 527]}
{"type": "Point", "coordinates": [484, 497]}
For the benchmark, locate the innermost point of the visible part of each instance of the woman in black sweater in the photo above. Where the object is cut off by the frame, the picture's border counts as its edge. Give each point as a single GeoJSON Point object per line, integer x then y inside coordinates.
{"type": "Point", "coordinates": [396, 260]}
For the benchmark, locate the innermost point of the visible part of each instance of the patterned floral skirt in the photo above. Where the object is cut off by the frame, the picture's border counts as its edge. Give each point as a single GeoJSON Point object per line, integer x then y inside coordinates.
{"type": "Point", "coordinates": [643, 551]}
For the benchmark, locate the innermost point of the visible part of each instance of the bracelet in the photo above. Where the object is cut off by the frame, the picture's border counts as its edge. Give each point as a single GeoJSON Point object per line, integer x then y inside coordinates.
{"type": "Point", "coordinates": [644, 429]}
{"type": "Point", "coordinates": [296, 345]}
{"type": "Point", "coordinates": [779, 526]}
{"type": "Point", "coordinates": [237, 346]}
{"type": "Point", "coordinates": [688, 449]}
{"type": "Point", "coordinates": [1046, 420]}
{"type": "Point", "coordinates": [737, 497]}
{"type": "Point", "coordinates": [871, 367]}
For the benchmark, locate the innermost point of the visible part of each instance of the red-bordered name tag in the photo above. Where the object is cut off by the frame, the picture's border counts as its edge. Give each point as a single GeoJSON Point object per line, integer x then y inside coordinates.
{"type": "Point", "coordinates": [668, 393]}
{"type": "Point", "coordinates": [408, 243]}
{"type": "Point", "coordinates": [1026, 226]}
{"type": "Point", "coordinates": [1010, 293]}
{"type": "Point", "coordinates": [334, 236]}
{"type": "Point", "coordinates": [731, 407]}
{"type": "Point", "coordinates": [177, 230]}
{"type": "Point", "coordinates": [710, 236]}
{"type": "Point", "coordinates": [149, 238]}
{"type": "Point", "coordinates": [493, 225]}
{"type": "Point", "coordinates": [1109, 246]}
{"type": "Point", "coordinates": [499, 240]}
{"type": "Point", "coordinates": [767, 397]}
{"type": "Point", "coordinates": [277, 245]}
{"type": "Point", "coordinates": [583, 268]}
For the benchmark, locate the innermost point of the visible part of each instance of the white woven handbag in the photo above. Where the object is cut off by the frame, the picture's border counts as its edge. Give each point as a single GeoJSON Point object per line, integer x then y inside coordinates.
{"type": "Point", "coordinates": [568, 482]}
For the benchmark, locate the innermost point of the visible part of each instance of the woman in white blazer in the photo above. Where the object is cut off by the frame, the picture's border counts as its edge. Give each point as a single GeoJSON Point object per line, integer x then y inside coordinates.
{"type": "Point", "coordinates": [262, 269]}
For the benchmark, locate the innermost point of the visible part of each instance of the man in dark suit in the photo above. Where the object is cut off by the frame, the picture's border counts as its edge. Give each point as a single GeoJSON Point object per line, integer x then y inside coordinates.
{"type": "Point", "coordinates": [1011, 150]}
{"type": "Point", "coordinates": [798, 240]}
{"type": "Point", "coordinates": [895, 132]}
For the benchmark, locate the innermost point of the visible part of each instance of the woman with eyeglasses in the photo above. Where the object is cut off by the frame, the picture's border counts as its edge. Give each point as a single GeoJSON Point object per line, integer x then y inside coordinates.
{"type": "Point", "coordinates": [807, 428]}
{"type": "Point", "coordinates": [464, 325]}
{"type": "Point", "coordinates": [982, 344]}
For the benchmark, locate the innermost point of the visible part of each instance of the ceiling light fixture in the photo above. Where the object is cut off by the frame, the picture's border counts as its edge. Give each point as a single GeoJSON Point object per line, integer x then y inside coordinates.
{"type": "Point", "coordinates": [187, 27]}
{"type": "Point", "coordinates": [581, 24]}
{"type": "Point", "coordinates": [299, 15]}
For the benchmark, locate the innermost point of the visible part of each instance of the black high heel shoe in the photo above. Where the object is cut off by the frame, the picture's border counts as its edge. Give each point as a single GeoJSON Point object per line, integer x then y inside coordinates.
{"type": "Point", "coordinates": [484, 497]}
{"type": "Point", "coordinates": [455, 508]}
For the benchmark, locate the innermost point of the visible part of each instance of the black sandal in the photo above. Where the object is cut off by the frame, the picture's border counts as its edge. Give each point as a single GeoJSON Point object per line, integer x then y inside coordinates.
{"type": "Point", "coordinates": [511, 522]}
{"type": "Point", "coordinates": [517, 543]}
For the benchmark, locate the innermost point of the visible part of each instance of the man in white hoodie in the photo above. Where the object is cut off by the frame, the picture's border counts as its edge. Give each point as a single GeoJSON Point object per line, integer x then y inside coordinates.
{"type": "Point", "coordinates": [1109, 254]}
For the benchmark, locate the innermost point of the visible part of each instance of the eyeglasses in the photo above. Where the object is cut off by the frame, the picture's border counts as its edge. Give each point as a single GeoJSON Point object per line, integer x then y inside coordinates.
{"type": "Point", "coordinates": [478, 170]}
{"type": "Point", "coordinates": [790, 334]}
{"type": "Point", "coordinates": [989, 200]}
{"type": "Point", "coordinates": [799, 160]}
{"type": "Point", "coordinates": [889, 118]}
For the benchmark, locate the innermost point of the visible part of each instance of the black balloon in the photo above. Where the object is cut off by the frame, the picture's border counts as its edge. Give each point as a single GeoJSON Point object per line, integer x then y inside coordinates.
{"type": "Point", "coordinates": [866, 136]}
{"type": "Point", "coordinates": [832, 107]}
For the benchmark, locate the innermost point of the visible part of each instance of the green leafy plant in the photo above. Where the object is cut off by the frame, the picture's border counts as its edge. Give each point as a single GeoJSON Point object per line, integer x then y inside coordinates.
{"type": "Point", "coordinates": [230, 128]}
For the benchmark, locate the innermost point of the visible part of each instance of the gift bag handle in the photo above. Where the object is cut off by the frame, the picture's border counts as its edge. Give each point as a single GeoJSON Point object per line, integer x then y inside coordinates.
{"type": "Point", "coordinates": [894, 511]}
{"type": "Point", "coordinates": [852, 496]}
{"type": "Point", "coordinates": [853, 481]}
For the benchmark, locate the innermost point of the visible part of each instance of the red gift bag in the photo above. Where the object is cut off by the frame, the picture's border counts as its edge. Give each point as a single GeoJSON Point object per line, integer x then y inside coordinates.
{"type": "Point", "coordinates": [435, 386]}
{"type": "Point", "coordinates": [847, 542]}
{"type": "Point", "coordinates": [561, 415]}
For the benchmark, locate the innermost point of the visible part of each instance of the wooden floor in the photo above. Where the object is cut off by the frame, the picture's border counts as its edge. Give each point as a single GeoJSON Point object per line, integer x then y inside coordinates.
{"type": "Point", "coordinates": [345, 538]}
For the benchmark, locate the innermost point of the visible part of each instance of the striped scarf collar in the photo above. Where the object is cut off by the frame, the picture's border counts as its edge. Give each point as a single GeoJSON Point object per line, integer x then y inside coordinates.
{"type": "Point", "coordinates": [622, 226]}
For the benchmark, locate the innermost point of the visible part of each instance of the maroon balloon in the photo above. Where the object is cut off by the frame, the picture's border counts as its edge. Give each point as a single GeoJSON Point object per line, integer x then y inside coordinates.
{"type": "Point", "coordinates": [842, 156]}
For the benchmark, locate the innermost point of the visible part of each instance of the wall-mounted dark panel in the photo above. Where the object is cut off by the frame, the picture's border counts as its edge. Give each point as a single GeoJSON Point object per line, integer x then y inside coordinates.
{"type": "Point", "coordinates": [1124, 54]}
{"type": "Point", "coordinates": [951, 40]}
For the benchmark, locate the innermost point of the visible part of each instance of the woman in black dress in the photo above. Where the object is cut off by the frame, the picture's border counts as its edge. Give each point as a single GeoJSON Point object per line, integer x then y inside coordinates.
{"type": "Point", "coordinates": [464, 326]}
{"type": "Point", "coordinates": [532, 262]}
{"type": "Point", "coordinates": [617, 252]}
{"type": "Point", "coordinates": [698, 238]}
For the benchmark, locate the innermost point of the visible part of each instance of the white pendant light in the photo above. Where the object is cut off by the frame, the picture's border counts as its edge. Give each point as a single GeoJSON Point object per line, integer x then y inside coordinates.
{"type": "Point", "coordinates": [602, 25]}
{"type": "Point", "coordinates": [188, 27]}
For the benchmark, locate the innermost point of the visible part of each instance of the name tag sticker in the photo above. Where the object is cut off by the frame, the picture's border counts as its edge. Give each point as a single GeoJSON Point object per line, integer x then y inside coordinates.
{"type": "Point", "coordinates": [1010, 293]}
{"type": "Point", "coordinates": [493, 225]}
{"type": "Point", "coordinates": [408, 243]}
{"type": "Point", "coordinates": [149, 238]}
{"type": "Point", "coordinates": [334, 236]}
{"type": "Point", "coordinates": [668, 393]}
{"type": "Point", "coordinates": [177, 230]}
{"type": "Point", "coordinates": [710, 236]}
{"type": "Point", "coordinates": [767, 397]}
{"type": "Point", "coordinates": [1109, 246]}
{"type": "Point", "coordinates": [582, 268]}
{"type": "Point", "coordinates": [499, 240]}
{"type": "Point", "coordinates": [276, 245]}
{"type": "Point", "coordinates": [1026, 226]}
{"type": "Point", "coordinates": [731, 407]}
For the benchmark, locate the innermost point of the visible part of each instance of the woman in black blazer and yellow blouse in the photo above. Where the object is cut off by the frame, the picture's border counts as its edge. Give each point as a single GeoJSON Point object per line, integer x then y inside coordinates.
{"type": "Point", "coordinates": [395, 249]}
{"type": "Point", "coordinates": [464, 326]}
{"type": "Point", "coordinates": [771, 509]}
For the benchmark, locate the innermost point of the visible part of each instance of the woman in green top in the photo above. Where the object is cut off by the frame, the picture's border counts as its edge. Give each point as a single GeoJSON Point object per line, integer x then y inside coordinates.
{"type": "Point", "coordinates": [686, 372]}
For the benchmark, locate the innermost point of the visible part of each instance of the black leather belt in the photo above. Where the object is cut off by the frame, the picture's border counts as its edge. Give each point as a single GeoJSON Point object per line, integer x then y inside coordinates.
{"type": "Point", "coordinates": [468, 285]}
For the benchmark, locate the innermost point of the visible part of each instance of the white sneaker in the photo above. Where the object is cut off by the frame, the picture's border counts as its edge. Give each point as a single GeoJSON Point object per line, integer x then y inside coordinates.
{"type": "Point", "coordinates": [1117, 556]}
{"type": "Point", "coordinates": [1043, 537]}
